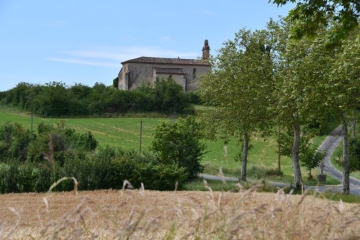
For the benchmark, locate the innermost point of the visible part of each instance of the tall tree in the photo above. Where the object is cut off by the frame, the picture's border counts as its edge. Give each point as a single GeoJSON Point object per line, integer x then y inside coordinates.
{"type": "Point", "coordinates": [341, 89]}
{"type": "Point", "coordinates": [239, 88]}
{"type": "Point", "coordinates": [317, 78]}
{"type": "Point", "coordinates": [296, 99]}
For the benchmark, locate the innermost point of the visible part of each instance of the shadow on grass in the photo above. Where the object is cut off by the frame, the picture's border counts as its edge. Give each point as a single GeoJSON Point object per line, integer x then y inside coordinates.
{"type": "Point", "coordinates": [270, 174]}
{"type": "Point", "coordinates": [215, 185]}
{"type": "Point", "coordinates": [263, 186]}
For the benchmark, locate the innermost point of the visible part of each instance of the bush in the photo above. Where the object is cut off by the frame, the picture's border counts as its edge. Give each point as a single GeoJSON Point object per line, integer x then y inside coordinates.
{"type": "Point", "coordinates": [61, 152]}
{"type": "Point", "coordinates": [9, 178]}
{"type": "Point", "coordinates": [354, 156]}
{"type": "Point", "coordinates": [194, 98]}
{"type": "Point", "coordinates": [180, 143]}
{"type": "Point", "coordinates": [144, 168]}
{"type": "Point", "coordinates": [170, 96]}
{"type": "Point", "coordinates": [55, 99]}
{"type": "Point", "coordinates": [14, 141]}
{"type": "Point", "coordinates": [110, 167]}
{"type": "Point", "coordinates": [261, 172]}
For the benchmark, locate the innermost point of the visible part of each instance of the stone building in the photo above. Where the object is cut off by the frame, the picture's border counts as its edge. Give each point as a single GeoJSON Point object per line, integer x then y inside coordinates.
{"type": "Point", "coordinates": [185, 72]}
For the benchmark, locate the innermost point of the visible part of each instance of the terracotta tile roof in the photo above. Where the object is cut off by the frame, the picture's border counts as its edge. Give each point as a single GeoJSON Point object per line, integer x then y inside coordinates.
{"type": "Point", "coordinates": [177, 61]}
{"type": "Point", "coordinates": [178, 71]}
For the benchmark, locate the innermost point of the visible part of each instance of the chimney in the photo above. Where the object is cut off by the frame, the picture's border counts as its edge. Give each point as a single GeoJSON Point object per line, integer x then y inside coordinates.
{"type": "Point", "coordinates": [206, 50]}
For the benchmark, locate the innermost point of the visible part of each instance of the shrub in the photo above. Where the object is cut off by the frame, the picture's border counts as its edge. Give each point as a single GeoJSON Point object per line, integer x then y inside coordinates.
{"type": "Point", "coordinates": [261, 172]}
{"type": "Point", "coordinates": [9, 178]}
{"type": "Point", "coordinates": [109, 167]}
{"type": "Point", "coordinates": [354, 156]}
{"type": "Point", "coordinates": [180, 143]}
{"type": "Point", "coordinates": [14, 141]}
{"type": "Point", "coordinates": [170, 96]}
{"type": "Point", "coordinates": [55, 99]}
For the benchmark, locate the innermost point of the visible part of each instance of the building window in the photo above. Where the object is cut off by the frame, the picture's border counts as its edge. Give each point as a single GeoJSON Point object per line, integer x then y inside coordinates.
{"type": "Point", "coordinates": [194, 73]}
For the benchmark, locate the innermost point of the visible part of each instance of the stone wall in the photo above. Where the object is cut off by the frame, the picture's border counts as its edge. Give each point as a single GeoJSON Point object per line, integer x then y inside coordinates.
{"type": "Point", "coordinates": [133, 75]}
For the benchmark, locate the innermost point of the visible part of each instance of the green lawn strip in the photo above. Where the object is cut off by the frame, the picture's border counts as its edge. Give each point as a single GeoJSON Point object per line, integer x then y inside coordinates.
{"type": "Point", "coordinates": [214, 185]}
{"type": "Point", "coordinates": [117, 132]}
{"type": "Point", "coordinates": [333, 162]}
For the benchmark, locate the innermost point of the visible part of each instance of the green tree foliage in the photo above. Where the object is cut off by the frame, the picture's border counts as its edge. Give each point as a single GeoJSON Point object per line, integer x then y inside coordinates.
{"type": "Point", "coordinates": [55, 99]}
{"type": "Point", "coordinates": [65, 141]}
{"type": "Point", "coordinates": [116, 83]}
{"type": "Point", "coordinates": [310, 158]}
{"type": "Point", "coordinates": [35, 163]}
{"type": "Point", "coordinates": [180, 143]}
{"type": "Point", "coordinates": [354, 155]}
{"type": "Point", "coordinates": [315, 80]}
{"type": "Point", "coordinates": [310, 15]}
{"type": "Point", "coordinates": [14, 141]}
{"type": "Point", "coordinates": [298, 101]}
{"type": "Point", "coordinates": [239, 87]}
{"type": "Point", "coordinates": [170, 96]}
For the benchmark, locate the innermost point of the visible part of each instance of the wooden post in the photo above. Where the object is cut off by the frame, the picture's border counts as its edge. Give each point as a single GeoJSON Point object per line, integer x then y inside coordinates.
{"type": "Point", "coordinates": [279, 156]}
{"type": "Point", "coordinates": [140, 134]}
{"type": "Point", "coordinates": [32, 117]}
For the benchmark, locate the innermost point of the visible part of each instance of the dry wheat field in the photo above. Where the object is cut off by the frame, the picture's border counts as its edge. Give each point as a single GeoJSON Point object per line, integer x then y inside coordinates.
{"type": "Point", "coordinates": [142, 214]}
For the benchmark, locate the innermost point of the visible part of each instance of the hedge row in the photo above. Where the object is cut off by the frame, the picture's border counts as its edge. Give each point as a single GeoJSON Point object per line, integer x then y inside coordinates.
{"type": "Point", "coordinates": [56, 99]}
{"type": "Point", "coordinates": [33, 162]}
{"type": "Point", "coordinates": [105, 170]}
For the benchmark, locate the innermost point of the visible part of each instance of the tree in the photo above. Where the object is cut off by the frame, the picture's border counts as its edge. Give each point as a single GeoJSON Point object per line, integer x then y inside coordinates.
{"type": "Point", "coordinates": [116, 83]}
{"type": "Point", "coordinates": [341, 89]}
{"type": "Point", "coordinates": [354, 155]}
{"type": "Point", "coordinates": [297, 99]}
{"type": "Point", "coordinates": [317, 79]}
{"type": "Point", "coordinates": [311, 158]}
{"type": "Point", "coordinates": [310, 15]}
{"type": "Point", "coordinates": [239, 88]}
{"type": "Point", "coordinates": [53, 100]}
{"type": "Point", "coordinates": [14, 141]}
{"type": "Point", "coordinates": [180, 143]}
{"type": "Point", "coordinates": [170, 97]}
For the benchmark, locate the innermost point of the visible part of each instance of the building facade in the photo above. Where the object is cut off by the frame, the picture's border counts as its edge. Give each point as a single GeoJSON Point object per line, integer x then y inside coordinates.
{"type": "Point", "coordinates": [185, 72]}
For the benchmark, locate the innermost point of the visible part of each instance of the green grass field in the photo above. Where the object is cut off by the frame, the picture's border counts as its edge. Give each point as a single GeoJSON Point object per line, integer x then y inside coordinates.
{"type": "Point", "coordinates": [125, 133]}
{"type": "Point", "coordinates": [353, 174]}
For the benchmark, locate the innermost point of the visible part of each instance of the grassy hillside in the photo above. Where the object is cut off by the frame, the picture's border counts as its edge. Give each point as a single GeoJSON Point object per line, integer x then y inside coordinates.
{"type": "Point", "coordinates": [125, 133]}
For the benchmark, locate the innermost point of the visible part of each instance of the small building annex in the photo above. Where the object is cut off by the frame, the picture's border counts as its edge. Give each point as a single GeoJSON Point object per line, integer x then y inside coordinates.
{"type": "Point", "coordinates": [186, 72]}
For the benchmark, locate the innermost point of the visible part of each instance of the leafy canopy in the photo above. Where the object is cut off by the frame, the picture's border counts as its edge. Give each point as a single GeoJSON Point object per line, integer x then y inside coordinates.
{"type": "Point", "coordinates": [180, 143]}
{"type": "Point", "coordinates": [310, 15]}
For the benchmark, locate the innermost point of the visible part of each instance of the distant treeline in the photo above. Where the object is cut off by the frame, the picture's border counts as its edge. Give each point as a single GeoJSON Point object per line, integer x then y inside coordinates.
{"type": "Point", "coordinates": [55, 99]}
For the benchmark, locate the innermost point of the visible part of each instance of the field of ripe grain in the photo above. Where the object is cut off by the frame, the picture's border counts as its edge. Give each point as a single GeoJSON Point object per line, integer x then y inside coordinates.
{"type": "Point", "coordinates": [141, 214]}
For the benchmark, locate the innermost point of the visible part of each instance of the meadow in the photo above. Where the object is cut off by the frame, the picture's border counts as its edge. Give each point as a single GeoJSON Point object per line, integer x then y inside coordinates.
{"type": "Point", "coordinates": [124, 132]}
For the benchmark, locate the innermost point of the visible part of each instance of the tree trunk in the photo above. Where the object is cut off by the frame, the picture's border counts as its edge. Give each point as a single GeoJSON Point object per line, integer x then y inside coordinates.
{"type": "Point", "coordinates": [346, 150]}
{"type": "Point", "coordinates": [295, 158]}
{"type": "Point", "coordinates": [244, 157]}
{"type": "Point", "coordinates": [354, 125]}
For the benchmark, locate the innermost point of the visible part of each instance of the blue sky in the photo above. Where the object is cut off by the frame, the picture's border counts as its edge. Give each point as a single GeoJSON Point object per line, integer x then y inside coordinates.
{"type": "Point", "coordinates": [85, 41]}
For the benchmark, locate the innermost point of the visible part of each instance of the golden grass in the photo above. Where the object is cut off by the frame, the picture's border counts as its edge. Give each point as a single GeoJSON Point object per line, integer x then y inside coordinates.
{"type": "Point", "coordinates": [142, 214]}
